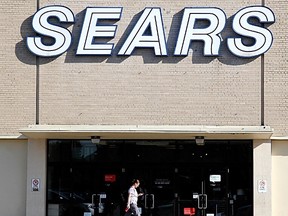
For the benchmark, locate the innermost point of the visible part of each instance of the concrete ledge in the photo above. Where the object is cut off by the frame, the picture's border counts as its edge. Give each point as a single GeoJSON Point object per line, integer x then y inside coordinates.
{"type": "Point", "coordinates": [146, 132]}
{"type": "Point", "coordinates": [13, 137]}
{"type": "Point", "coordinates": [279, 138]}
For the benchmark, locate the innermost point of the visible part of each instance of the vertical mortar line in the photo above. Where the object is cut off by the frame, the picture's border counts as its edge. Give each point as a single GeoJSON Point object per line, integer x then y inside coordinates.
{"type": "Point", "coordinates": [263, 82]}
{"type": "Point", "coordinates": [262, 91]}
{"type": "Point", "coordinates": [37, 79]}
{"type": "Point", "coordinates": [37, 90]}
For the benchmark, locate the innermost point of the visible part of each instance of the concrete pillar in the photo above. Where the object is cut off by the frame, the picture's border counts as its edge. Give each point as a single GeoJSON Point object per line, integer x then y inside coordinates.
{"type": "Point", "coordinates": [36, 169]}
{"type": "Point", "coordinates": [262, 171]}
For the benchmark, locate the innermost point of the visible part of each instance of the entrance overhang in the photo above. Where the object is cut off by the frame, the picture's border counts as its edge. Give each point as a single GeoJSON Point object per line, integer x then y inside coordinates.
{"type": "Point", "coordinates": [146, 132]}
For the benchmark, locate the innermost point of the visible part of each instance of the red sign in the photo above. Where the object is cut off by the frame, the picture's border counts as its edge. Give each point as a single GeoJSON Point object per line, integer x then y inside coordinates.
{"type": "Point", "coordinates": [189, 211]}
{"type": "Point", "coordinates": [110, 178]}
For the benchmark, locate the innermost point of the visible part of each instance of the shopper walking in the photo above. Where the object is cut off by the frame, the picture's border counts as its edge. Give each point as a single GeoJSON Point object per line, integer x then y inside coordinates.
{"type": "Point", "coordinates": [132, 208]}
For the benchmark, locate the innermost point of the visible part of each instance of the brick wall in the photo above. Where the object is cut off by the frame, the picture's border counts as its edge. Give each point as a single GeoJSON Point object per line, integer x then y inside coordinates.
{"type": "Point", "coordinates": [17, 67]}
{"type": "Point", "coordinates": [276, 71]}
{"type": "Point", "coordinates": [142, 88]}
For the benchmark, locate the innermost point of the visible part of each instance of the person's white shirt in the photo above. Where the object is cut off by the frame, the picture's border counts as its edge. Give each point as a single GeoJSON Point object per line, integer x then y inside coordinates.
{"type": "Point", "coordinates": [133, 195]}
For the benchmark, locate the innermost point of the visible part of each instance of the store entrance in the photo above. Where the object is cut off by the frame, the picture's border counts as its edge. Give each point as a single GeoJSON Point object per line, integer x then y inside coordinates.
{"type": "Point", "coordinates": [178, 178]}
{"type": "Point", "coordinates": [184, 191]}
{"type": "Point", "coordinates": [209, 192]}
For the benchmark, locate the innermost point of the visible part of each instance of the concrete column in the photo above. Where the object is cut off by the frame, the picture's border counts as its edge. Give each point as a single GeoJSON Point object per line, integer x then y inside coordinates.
{"type": "Point", "coordinates": [279, 177]}
{"type": "Point", "coordinates": [36, 168]}
{"type": "Point", "coordinates": [262, 171]}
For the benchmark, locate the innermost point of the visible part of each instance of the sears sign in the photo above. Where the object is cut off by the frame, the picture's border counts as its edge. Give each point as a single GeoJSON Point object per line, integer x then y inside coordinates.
{"type": "Point", "coordinates": [152, 19]}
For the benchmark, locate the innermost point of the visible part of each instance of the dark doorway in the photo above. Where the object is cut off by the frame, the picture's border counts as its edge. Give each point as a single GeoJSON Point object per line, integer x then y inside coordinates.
{"type": "Point", "coordinates": [178, 177]}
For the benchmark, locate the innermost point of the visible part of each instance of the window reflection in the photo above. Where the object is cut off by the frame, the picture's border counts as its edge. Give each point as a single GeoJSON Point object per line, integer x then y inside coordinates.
{"type": "Point", "coordinates": [84, 150]}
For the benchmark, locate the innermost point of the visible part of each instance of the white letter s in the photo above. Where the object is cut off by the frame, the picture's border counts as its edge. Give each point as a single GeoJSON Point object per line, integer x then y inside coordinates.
{"type": "Point", "coordinates": [263, 37]}
{"type": "Point", "coordinates": [61, 35]}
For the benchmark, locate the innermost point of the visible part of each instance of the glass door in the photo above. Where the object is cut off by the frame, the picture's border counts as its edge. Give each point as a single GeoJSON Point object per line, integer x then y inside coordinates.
{"type": "Point", "coordinates": [178, 178]}
{"type": "Point", "coordinates": [202, 191]}
{"type": "Point", "coordinates": [157, 184]}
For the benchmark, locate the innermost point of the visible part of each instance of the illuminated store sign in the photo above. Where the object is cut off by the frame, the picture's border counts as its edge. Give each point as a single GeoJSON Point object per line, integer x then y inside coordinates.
{"type": "Point", "coordinates": [151, 19]}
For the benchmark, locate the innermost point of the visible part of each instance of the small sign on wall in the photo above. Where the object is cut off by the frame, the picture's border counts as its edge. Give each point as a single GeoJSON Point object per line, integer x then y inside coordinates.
{"type": "Point", "coordinates": [215, 178]}
{"type": "Point", "coordinates": [262, 186]}
{"type": "Point", "coordinates": [189, 211]}
{"type": "Point", "coordinates": [35, 184]}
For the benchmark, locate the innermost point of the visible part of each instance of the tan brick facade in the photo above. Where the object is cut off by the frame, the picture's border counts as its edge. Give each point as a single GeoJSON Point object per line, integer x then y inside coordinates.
{"type": "Point", "coordinates": [276, 72]}
{"type": "Point", "coordinates": [17, 67]}
{"type": "Point", "coordinates": [142, 88]}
